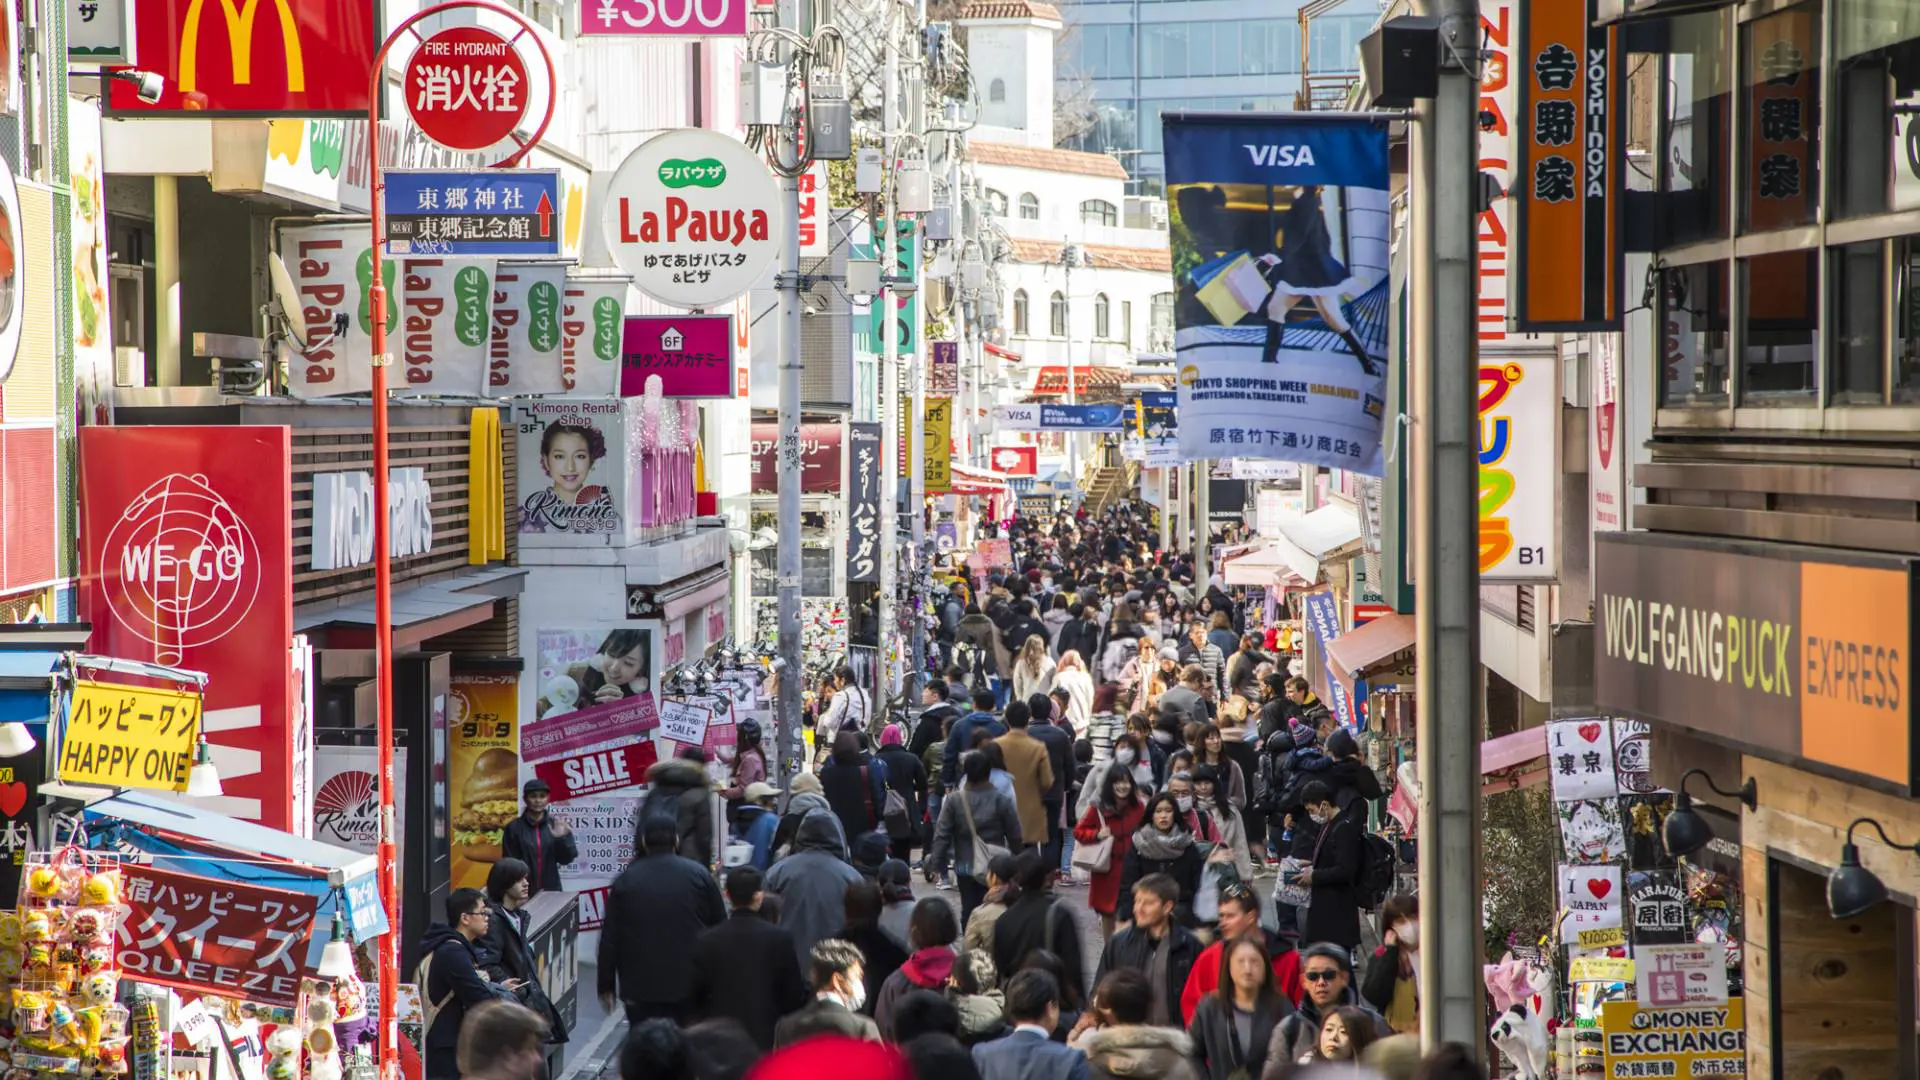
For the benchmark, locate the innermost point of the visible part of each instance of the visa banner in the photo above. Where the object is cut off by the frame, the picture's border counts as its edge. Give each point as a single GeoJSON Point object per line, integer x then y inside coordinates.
{"type": "Point", "coordinates": [1040, 417]}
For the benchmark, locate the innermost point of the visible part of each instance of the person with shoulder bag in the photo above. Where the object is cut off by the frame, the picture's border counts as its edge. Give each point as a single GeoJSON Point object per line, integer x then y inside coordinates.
{"type": "Point", "coordinates": [976, 823]}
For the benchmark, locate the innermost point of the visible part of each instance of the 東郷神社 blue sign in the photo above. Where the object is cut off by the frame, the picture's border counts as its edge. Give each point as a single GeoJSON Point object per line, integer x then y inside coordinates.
{"type": "Point", "coordinates": [453, 213]}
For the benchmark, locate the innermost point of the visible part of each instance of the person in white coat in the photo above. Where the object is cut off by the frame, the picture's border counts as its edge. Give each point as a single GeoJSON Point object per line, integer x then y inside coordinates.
{"type": "Point", "coordinates": [1032, 669]}
{"type": "Point", "coordinates": [1071, 675]}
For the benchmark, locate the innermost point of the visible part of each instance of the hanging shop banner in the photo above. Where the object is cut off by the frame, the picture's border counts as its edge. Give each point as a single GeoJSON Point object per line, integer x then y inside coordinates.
{"type": "Point", "coordinates": [692, 354]}
{"type": "Point", "coordinates": [1281, 289]}
{"type": "Point", "coordinates": [346, 801]}
{"type": "Point", "coordinates": [863, 503]}
{"type": "Point", "coordinates": [906, 304]}
{"type": "Point", "coordinates": [665, 18]}
{"type": "Point", "coordinates": [1582, 755]}
{"type": "Point", "coordinates": [936, 444]}
{"type": "Point", "coordinates": [1519, 468]}
{"type": "Point", "coordinates": [92, 316]}
{"type": "Point", "coordinates": [591, 681]}
{"type": "Point", "coordinates": [1041, 417]}
{"type": "Point", "coordinates": [210, 936]}
{"type": "Point", "coordinates": [591, 319]}
{"type": "Point", "coordinates": [816, 240]}
{"type": "Point", "coordinates": [1323, 618]}
{"type": "Point", "coordinates": [1606, 460]}
{"type": "Point", "coordinates": [1591, 830]}
{"type": "Point", "coordinates": [1569, 191]}
{"type": "Point", "coordinates": [1683, 975]}
{"type": "Point", "coordinates": [819, 458]}
{"type": "Point", "coordinates": [456, 213]}
{"type": "Point", "coordinates": [20, 780]}
{"type": "Point", "coordinates": [1659, 905]}
{"type": "Point", "coordinates": [272, 58]}
{"type": "Point", "coordinates": [1806, 661]}
{"type": "Point", "coordinates": [1591, 897]}
{"type": "Point", "coordinates": [1016, 460]}
{"type": "Point", "coordinates": [694, 216]}
{"type": "Point", "coordinates": [603, 832]}
{"type": "Point", "coordinates": [572, 474]}
{"type": "Point", "coordinates": [188, 562]}
{"type": "Point", "coordinates": [1646, 1040]}
{"type": "Point", "coordinates": [100, 32]}
{"type": "Point", "coordinates": [591, 772]}
{"type": "Point", "coordinates": [483, 770]}
{"type": "Point", "coordinates": [446, 320]}
{"type": "Point", "coordinates": [524, 350]}
{"type": "Point", "coordinates": [943, 369]}
{"type": "Point", "coordinates": [331, 268]}
{"type": "Point", "coordinates": [119, 735]}
{"type": "Point", "coordinates": [685, 720]}
{"type": "Point", "coordinates": [1633, 758]}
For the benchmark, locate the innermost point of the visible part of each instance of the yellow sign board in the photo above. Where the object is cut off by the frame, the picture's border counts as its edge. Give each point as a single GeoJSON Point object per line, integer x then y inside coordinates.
{"type": "Point", "coordinates": [937, 443]}
{"type": "Point", "coordinates": [1691, 1041]}
{"type": "Point", "coordinates": [1600, 969]}
{"type": "Point", "coordinates": [129, 736]}
{"type": "Point", "coordinates": [1602, 939]}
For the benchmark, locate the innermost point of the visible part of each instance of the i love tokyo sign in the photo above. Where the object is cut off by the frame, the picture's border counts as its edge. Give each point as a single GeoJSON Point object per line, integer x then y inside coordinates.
{"type": "Point", "coordinates": [694, 216]}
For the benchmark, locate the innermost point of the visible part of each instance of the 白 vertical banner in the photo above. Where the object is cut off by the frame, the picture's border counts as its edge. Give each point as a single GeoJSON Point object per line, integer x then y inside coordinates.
{"type": "Point", "coordinates": [446, 316]}
{"type": "Point", "coordinates": [863, 503]}
{"type": "Point", "coordinates": [1279, 230]}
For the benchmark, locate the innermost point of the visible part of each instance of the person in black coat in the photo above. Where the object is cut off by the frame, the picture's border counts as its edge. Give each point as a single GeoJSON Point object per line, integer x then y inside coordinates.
{"type": "Point", "coordinates": [1036, 921]}
{"type": "Point", "coordinates": [1079, 634]}
{"type": "Point", "coordinates": [539, 839]}
{"type": "Point", "coordinates": [1162, 845]}
{"type": "Point", "coordinates": [654, 916]}
{"type": "Point", "coordinates": [1354, 785]}
{"type": "Point", "coordinates": [745, 968]}
{"type": "Point", "coordinates": [906, 776]}
{"type": "Point", "coordinates": [1154, 899]}
{"type": "Point", "coordinates": [1333, 914]}
{"type": "Point", "coordinates": [853, 787]}
{"type": "Point", "coordinates": [1023, 626]}
{"type": "Point", "coordinates": [884, 955]}
{"type": "Point", "coordinates": [504, 953]}
{"type": "Point", "coordinates": [454, 982]}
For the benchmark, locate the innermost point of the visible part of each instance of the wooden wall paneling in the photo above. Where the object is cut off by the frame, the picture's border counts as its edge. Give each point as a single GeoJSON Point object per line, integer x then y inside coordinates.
{"type": "Point", "coordinates": [1836, 984]}
{"type": "Point", "coordinates": [1758, 960]}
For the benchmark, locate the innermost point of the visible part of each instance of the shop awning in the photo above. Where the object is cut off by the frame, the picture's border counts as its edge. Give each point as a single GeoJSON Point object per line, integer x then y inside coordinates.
{"type": "Point", "coordinates": [1358, 652]}
{"type": "Point", "coordinates": [1270, 562]}
{"type": "Point", "coordinates": [1521, 757]}
{"type": "Point", "coordinates": [423, 611]}
{"type": "Point", "coordinates": [968, 480]}
{"type": "Point", "coordinates": [186, 839]}
{"type": "Point", "coordinates": [1327, 533]}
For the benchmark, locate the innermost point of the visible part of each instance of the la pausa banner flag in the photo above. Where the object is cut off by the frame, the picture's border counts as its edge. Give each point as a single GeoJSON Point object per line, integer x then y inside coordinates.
{"type": "Point", "coordinates": [1279, 228]}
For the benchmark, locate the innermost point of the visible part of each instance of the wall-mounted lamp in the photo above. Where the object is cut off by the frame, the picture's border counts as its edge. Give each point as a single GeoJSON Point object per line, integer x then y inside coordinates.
{"type": "Point", "coordinates": [1852, 888]}
{"type": "Point", "coordinates": [1686, 831]}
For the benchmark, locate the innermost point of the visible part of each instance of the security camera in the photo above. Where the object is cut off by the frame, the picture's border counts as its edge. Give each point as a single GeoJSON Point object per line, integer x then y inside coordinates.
{"type": "Point", "coordinates": [147, 85]}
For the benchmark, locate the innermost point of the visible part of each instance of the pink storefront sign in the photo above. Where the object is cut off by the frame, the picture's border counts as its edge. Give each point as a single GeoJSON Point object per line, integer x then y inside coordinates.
{"type": "Point", "coordinates": [692, 354]}
{"type": "Point", "coordinates": [665, 18]}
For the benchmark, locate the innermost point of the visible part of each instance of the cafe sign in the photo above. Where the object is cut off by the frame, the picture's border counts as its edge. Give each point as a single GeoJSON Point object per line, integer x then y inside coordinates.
{"type": "Point", "coordinates": [1797, 658]}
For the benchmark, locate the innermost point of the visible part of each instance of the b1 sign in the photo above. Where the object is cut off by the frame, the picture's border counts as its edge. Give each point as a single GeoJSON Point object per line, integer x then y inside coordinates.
{"type": "Point", "coordinates": [665, 18]}
{"type": "Point", "coordinates": [694, 216]}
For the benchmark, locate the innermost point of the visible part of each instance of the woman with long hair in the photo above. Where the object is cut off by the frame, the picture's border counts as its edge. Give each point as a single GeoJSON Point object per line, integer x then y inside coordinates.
{"type": "Point", "coordinates": [749, 760]}
{"type": "Point", "coordinates": [1071, 675]}
{"type": "Point", "coordinates": [1229, 825]}
{"type": "Point", "coordinates": [1392, 984]}
{"type": "Point", "coordinates": [1162, 845]}
{"type": "Point", "coordinates": [1233, 1023]}
{"type": "Point", "coordinates": [1116, 812]}
{"type": "Point", "coordinates": [1209, 748]}
{"type": "Point", "coordinates": [1142, 682]}
{"type": "Point", "coordinates": [1032, 669]}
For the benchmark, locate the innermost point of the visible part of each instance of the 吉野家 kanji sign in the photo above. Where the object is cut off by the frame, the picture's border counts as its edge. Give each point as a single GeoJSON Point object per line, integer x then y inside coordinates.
{"type": "Point", "coordinates": [466, 88]}
{"type": "Point", "coordinates": [210, 936]}
{"type": "Point", "coordinates": [484, 212]}
{"type": "Point", "coordinates": [129, 736]}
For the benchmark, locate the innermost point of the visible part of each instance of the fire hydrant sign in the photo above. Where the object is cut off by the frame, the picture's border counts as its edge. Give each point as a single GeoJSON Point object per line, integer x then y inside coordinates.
{"type": "Point", "coordinates": [209, 936]}
{"type": "Point", "coordinates": [129, 736]}
{"type": "Point", "coordinates": [694, 216]}
{"type": "Point", "coordinates": [475, 213]}
{"type": "Point", "coordinates": [466, 88]}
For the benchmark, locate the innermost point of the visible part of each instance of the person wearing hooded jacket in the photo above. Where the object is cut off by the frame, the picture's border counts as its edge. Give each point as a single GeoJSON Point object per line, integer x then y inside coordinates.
{"type": "Point", "coordinates": [906, 777]}
{"type": "Point", "coordinates": [454, 982]}
{"type": "Point", "coordinates": [854, 786]}
{"type": "Point", "coordinates": [805, 795]}
{"type": "Point", "coordinates": [812, 881]}
{"type": "Point", "coordinates": [933, 930]}
{"type": "Point", "coordinates": [1118, 1039]}
{"type": "Point", "coordinates": [1353, 784]}
{"type": "Point", "coordinates": [684, 781]}
{"type": "Point", "coordinates": [656, 912]}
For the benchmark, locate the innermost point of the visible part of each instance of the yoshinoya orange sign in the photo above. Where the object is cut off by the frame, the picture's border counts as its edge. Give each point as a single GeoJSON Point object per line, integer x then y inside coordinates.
{"type": "Point", "coordinates": [253, 57]}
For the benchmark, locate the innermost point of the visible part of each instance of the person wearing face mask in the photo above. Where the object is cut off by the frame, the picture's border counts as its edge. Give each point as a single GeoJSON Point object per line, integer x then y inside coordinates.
{"type": "Point", "coordinates": [1332, 877]}
{"type": "Point", "coordinates": [1116, 813]}
{"type": "Point", "coordinates": [1392, 984]}
{"type": "Point", "coordinates": [839, 992]}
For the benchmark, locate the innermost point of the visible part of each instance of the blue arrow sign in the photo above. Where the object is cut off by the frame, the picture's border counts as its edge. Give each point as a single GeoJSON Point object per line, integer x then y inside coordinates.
{"type": "Point", "coordinates": [514, 212]}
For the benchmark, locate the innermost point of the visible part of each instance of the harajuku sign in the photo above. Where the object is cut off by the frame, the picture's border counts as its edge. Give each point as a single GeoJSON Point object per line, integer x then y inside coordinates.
{"type": "Point", "coordinates": [694, 216]}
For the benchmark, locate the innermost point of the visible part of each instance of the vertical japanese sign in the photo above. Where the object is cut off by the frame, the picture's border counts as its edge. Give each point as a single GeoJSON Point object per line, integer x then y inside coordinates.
{"type": "Point", "coordinates": [906, 306]}
{"type": "Point", "coordinates": [936, 443]}
{"type": "Point", "coordinates": [483, 770]}
{"type": "Point", "coordinates": [591, 322]}
{"type": "Point", "coordinates": [1605, 465]}
{"type": "Point", "coordinates": [1498, 104]}
{"type": "Point", "coordinates": [1323, 619]}
{"type": "Point", "coordinates": [1280, 228]}
{"type": "Point", "coordinates": [1519, 467]}
{"type": "Point", "coordinates": [206, 935]}
{"type": "Point", "coordinates": [1782, 84]}
{"type": "Point", "coordinates": [92, 322]}
{"type": "Point", "coordinates": [863, 503]}
{"type": "Point", "coordinates": [815, 241]}
{"type": "Point", "coordinates": [1570, 134]}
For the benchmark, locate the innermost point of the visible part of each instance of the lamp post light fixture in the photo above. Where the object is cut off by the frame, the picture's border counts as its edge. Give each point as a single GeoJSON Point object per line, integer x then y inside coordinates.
{"type": "Point", "coordinates": [1685, 831]}
{"type": "Point", "coordinates": [1852, 889]}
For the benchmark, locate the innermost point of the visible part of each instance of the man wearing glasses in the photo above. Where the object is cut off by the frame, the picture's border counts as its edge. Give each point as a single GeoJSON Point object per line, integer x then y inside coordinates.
{"type": "Point", "coordinates": [1240, 917]}
{"type": "Point", "coordinates": [1327, 973]}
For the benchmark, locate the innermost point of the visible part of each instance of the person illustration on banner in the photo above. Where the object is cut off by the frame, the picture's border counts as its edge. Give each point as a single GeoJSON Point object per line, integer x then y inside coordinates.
{"type": "Point", "coordinates": [569, 504]}
{"type": "Point", "coordinates": [1305, 268]}
{"type": "Point", "coordinates": [617, 670]}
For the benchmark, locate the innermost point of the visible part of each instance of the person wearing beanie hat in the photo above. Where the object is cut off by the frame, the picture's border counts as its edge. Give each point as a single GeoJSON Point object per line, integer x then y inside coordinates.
{"type": "Point", "coordinates": [907, 778]}
{"type": "Point", "coordinates": [896, 897]}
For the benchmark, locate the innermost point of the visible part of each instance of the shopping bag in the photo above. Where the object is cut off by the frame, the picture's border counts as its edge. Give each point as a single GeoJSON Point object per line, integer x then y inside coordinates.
{"type": "Point", "coordinates": [1094, 858]}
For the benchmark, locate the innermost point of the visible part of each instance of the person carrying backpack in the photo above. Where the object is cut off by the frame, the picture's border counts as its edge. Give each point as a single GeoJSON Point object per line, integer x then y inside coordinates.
{"type": "Point", "coordinates": [1334, 876]}
{"type": "Point", "coordinates": [450, 980]}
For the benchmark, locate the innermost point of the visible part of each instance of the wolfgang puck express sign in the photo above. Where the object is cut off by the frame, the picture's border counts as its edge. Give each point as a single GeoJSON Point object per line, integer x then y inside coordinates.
{"type": "Point", "coordinates": [1785, 656]}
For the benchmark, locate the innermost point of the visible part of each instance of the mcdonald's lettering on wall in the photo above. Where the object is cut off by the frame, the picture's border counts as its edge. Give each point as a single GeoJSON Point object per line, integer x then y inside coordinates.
{"type": "Point", "coordinates": [283, 58]}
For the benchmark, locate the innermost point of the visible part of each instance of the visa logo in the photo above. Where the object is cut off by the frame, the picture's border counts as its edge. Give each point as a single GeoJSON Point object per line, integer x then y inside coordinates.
{"type": "Point", "coordinates": [1279, 156]}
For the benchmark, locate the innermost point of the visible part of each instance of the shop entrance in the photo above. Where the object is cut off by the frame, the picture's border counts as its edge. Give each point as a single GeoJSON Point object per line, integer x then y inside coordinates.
{"type": "Point", "coordinates": [1843, 989]}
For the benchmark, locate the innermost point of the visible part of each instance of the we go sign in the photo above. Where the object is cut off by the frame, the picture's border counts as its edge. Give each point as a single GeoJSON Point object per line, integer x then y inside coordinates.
{"type": "Point", "coordinates": [662, 18]}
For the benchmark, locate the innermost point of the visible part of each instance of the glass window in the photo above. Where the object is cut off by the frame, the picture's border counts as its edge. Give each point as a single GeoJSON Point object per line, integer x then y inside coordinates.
{"type": "Point", "coordinates": [1906, 320]}
{"type": "Point", "coordinates": [1782, 84]}
{"type": "Point", "coordinates": [1099, 212]}
{"type": "Point", "coordinates": [1019, 311]}
{"type": "Point", "coordinates": [1876, 97]}
{"type": "Point", "coordinates": [1333, 42]}
{"type": "Point", "coordinates": [1699, 91]}
{"type": "Point", "coordinates": [1102, 320]}
{"type": "Point", "coordinates": [997, 90]}
{"type": "Point", "coordinates": [1858, 307]}
{"type": "Point", "coordinates": [1057, 316]}
{"type": "Point", "coordinates": [1164, 52]}
{"type": "Point", "coordinates": [996, 203]}
{"type": "Point", "coordinates": [1693, 317]}
{"type": "Point", "coordinates": [1126, 322]}
{"type": "Point", "coordinates": [1778, 295]}
{"type": "Point", "coordinates": [1029, 207]}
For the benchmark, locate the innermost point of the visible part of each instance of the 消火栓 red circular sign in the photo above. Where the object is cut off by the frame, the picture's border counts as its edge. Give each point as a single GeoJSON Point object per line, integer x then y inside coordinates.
{"type": "Point", "coordinates": [466, 88]}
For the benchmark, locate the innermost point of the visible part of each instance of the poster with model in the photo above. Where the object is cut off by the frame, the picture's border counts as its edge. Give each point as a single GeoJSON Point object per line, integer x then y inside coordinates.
{"type": "Point", "coordinates": [572, 456]}
{"type": "Point", "coordinates": [483, 770]}
{"type": "Point", "coordinates": [1279, 226]}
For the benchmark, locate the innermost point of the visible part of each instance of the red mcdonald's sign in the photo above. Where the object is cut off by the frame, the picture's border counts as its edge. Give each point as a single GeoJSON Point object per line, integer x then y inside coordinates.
{"type": "Point", "coordinates": [254, 57]}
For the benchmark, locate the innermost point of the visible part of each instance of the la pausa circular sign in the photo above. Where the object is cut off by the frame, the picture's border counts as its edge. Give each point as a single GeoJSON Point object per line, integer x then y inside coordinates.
{"type": "Point", "coordinates": [694, 216]}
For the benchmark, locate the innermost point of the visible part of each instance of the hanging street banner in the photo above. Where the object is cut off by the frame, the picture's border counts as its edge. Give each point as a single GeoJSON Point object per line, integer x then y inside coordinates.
{"type": "Point", "coordinates": [1322, 612]}
{"type": "Point", "coordinates": [446, 316]}
{"type": "Point", "coordinates": [119, 735]}
{"type": "Point", "coordinates": [191, 932]}
{"type": "Point", "coordinates": [1519, 467]}
{"type": "Point", "coordinates": [1568, 189]}
{"type": "Point", "coordinates": [591, 323]}
{"type": "Point", "coordinates": [694, 216]}
{"type": "Point", "coordinates": [906, 305]}
{"type": "Point", "coordinates": [863, 502]}
{"type": "Point", "coordinates": [692, 354]}
{"type": "Point", "coordinates": [943, 373]}
{"type": "Point", "coordinates": [524, 350]}
{"type": "Point", "coordinates": [936, 444]}
{"type": "Point", "coordinates": [512, 212]}
{"type": "Point", "coordinates": [1280, 227]}
{"type": "Point", "coordinates": [1035, 416]}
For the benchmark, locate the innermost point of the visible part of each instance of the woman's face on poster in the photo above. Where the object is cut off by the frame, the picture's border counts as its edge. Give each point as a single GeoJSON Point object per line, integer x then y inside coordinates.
{"type": "Point", "coordinates": [626, 667]}
{"type": "Point", "coordinates": [568, 460]}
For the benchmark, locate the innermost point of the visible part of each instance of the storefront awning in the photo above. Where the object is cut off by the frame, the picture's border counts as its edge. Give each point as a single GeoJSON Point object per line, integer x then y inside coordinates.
{"type": "Point", "coordinates": [1270, 562]}
{"type": "Point", "coordinates": [968, 480]}
{"type": "Point", "coordinates": [1521, 756]}
{"type": "Point", "coordinates": [186, 839]}
{"type": "Point", "coordinates": [1358, 652]}
{"type": "Point", "coordinates": [1327, 533]}
{"type": "Point", "coordinates": [423, 611]}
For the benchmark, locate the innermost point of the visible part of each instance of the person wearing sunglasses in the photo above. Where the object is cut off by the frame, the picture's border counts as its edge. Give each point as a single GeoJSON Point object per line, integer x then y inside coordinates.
{"type": "Point", "coordinates": [1326, 971]}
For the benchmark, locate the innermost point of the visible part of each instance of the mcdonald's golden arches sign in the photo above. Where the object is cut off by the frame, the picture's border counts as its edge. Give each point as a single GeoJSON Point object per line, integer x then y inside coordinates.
{"type": "Point", "coordinates": [254, 57]}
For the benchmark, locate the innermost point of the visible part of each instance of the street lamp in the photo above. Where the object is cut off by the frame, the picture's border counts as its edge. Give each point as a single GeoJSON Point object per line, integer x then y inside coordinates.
{"type": "Point", "coordinates": [1072, 255]}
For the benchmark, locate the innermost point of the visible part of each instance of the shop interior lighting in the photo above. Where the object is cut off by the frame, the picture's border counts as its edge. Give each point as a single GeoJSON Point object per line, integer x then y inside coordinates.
{"type": "Point", "coordinates": [336, 959]}
{"type": "Point", "coordinates": [1852, 888]}
{"type": "Point", "coordinates": [15, 740]}
{"type": "Point", "coordinates": [1685, 831]}
{"type": "Point", "coordinates": [203, 780]}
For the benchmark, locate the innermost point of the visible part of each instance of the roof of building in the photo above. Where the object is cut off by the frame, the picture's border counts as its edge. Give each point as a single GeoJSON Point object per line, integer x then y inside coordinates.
{"type": "Point", "coordinates": [1046, 158]}
{"type": "Point", "coordinates": [1010, 9]}
{"type": "Point", "coordinates": [1106, 256]}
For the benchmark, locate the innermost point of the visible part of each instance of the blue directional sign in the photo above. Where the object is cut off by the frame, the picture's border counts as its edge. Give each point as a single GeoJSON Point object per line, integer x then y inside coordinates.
{"type": "Point", "coordinates": [513, 212]}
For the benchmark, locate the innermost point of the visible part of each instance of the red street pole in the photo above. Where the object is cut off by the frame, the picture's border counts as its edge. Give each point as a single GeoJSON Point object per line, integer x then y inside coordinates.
{"type": "Point", "coordinates": [389, 951]}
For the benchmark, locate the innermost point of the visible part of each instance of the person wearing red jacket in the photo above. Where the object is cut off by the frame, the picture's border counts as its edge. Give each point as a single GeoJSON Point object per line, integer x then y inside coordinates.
{"type": "Point", "coordinates": [1239, 915]}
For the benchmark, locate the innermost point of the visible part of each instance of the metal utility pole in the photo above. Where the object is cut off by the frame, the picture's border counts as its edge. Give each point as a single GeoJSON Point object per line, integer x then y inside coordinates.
{"type": "Point", "coordinates": [1446, 531]}
{"type": "Point", "coordinates": [1069, 256]}
{"type": "Point", "coordinates": [1202, 512]}
{"type": "Point", "coordinates": [894, 426]}
{"type": "Point", "coordinates": [1166, 506]}
{"type": "Point", "coordinates": [792, 671]}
